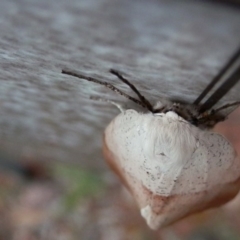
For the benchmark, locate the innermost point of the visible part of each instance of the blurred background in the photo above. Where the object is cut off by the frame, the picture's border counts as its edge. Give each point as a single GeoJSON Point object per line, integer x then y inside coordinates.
{"type": "Point", "coordinates": [54, 183]}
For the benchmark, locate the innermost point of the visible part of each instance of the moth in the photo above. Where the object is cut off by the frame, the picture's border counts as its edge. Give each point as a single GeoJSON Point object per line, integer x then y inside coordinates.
{"type": "Point", "coordinates": [168, 157]}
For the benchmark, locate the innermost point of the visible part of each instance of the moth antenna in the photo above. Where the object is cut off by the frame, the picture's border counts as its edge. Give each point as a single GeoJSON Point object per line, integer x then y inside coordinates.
{"type": "Point", "coordinates": [219, 76]}
{"type": "Point", "coordinates": [222, 90]}
{"type": "Point", "coordinates": [227, 106]}
{"type": "Point", "coordinates": [106, 84]}
{"type": "Point", "coordinates": [140, 96]}
{"type": "Point", "coordinates": [118, 105]}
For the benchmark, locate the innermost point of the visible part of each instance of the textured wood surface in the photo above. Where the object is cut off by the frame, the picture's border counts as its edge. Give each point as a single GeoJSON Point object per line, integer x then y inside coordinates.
{"type": "Point", "coordinates": [167, 48]}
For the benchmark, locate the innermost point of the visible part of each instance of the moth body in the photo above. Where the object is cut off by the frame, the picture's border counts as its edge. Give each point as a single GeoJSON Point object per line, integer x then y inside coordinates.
{"type": "Point", "coordinates": [171, 167]}
{"type": "Point", "coordinates": [166, 157]}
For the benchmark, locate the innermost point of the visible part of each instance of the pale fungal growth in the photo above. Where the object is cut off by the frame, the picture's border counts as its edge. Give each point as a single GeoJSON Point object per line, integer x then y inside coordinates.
{"type": "Point", "coordinates": [168, 158]}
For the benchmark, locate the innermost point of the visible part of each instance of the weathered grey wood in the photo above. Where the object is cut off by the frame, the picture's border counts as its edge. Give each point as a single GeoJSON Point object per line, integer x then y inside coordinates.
{"type": "Point", "coordinates": [167, 48]}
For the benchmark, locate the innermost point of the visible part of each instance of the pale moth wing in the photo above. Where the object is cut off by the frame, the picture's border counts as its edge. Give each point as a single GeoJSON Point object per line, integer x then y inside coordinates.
{"type": "Point", "coordinates": [171, 167]}
{"type": "Point", "coordinates": [167, 157]}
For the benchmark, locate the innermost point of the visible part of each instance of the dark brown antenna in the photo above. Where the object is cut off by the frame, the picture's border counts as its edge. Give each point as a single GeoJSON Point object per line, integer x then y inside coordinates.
{"type": "Point", "coordinates": [232, 67]}
{"type": "Point", "coordinates": [222, 90]}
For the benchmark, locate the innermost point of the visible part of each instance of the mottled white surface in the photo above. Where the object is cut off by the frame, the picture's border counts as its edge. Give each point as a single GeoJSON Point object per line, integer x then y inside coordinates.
{"type": "Point", "coordinates": [168, 155]}
{"type": "Point", "coordinates": [171, 167]}
{"type": "Point", "coordinates": [168, 48]}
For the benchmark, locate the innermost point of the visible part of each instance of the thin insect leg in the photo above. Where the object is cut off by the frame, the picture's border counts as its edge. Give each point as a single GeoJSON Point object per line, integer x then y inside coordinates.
{"type": "Point", "coordinates": [118, 105]}
{"type": "Point", "coordinates": [212, 116]}
{"type": "Point", "coordinates": [106, 84]}
{"type": "Point", "coordinates": [141, 97]}
{"type": "Point", "coordinates": [227, 106]}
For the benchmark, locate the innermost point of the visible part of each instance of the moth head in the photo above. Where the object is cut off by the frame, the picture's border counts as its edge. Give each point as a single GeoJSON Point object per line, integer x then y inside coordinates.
{"type": "Point", "coordinates": [190, 112]}
{"type": "Point", "coordinates": [193, 114]}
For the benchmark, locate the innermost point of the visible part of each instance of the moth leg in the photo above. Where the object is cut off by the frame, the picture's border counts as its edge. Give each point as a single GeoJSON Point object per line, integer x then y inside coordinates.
{"type": "Point", "coordinates": [234, 104]}
{"type": "Point", "coordinates": [118, 105]}
{"type": "Point", "coordinates": [221, 113]}
{"type": "Point", "coordinates": [106, 84]}
{"type": "Point", "coordinates": [140, 96]}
